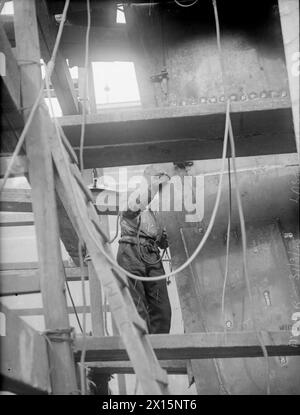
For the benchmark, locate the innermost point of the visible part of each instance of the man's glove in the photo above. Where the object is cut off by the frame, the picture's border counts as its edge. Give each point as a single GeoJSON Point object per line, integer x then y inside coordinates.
{"type": "Point", "coordinates": [163, 242]}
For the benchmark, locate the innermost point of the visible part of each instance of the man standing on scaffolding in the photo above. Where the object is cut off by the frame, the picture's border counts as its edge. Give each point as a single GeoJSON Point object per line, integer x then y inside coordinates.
{"type": "Point", "coordinates": [138, 253]}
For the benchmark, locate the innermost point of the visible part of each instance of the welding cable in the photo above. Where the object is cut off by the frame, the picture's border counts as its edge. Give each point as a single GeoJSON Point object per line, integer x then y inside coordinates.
{"type": "Point", "coordinates": [227, 242]}
{"type": "Point", "coordinates": [117, 267]}
{"type": "Point", "coordinates": [185, 5]}
{"type": "Point", "coordinates": [108, 256]}
{"type": "Point", "coordinates": [240, 207]}
{"type": "Point", "coordinates": [85, 85]}
{"type": "Point", "coordinates": [51, 64]}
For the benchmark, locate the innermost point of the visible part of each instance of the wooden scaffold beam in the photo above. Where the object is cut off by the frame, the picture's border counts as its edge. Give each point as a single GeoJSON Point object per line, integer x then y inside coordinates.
{"type": "Point", "coordinates": [194, 346]}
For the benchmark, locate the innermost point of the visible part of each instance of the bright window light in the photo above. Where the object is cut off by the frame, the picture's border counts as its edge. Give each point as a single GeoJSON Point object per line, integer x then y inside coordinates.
{"type": "Point", "coordinates": [120, 14]}
{"type": "Point", "coordinates": [8, 8]}
{"type": "Point", "coordinates": [115, 82]}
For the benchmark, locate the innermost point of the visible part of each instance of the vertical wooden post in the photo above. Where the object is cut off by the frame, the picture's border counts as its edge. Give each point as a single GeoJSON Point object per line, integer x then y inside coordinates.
{"type": "Point", "coordinates": [289, 17]}
{"type": "Point", "coordinates": [95, 286]}
{"type": "Point", "coordinates": [96, 301]}
{"type": "Point", "coordinates": [63, 377]}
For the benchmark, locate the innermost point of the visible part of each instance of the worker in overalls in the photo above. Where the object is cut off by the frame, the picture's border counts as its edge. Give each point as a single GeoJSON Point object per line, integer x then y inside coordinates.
{"type": "Point", "coordinates": [138, 253]}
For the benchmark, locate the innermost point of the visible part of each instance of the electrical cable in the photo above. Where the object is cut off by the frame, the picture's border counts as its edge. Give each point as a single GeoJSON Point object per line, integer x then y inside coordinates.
{"type": "Point", "coordinates": [227, 243]}
{"type": "Point", "coordinates": [240, 207]}
{"type": "Point", "coordinates": [51, 65]}
{"type": "Point", "coordinates": [82, 136]}
{"type": "Point", "coordinates": [85, 85]}
{"type": "Point", "coordinates": [185, 5]}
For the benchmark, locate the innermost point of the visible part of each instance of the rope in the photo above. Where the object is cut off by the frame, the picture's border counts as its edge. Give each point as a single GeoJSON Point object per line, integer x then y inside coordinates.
{"type": "Point", "coordinates": [51, 64]}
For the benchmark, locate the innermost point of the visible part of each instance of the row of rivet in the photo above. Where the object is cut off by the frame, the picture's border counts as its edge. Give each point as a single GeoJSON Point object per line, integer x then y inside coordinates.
{"type": "Point", "coordinates": [233, 97]}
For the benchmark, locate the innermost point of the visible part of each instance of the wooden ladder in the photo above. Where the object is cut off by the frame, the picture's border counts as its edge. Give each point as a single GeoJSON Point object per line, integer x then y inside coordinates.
{"type": "Point", "coordinates": [79, 204]}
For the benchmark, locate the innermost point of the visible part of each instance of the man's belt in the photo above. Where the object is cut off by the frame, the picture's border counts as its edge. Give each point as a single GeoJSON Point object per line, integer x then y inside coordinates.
{"type": "Point", "coordinates": [143, 240]}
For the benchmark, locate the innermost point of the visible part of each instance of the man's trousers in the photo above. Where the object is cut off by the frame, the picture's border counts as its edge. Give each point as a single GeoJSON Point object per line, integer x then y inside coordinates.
{"type": "Point", "coordinates": [150, 297]}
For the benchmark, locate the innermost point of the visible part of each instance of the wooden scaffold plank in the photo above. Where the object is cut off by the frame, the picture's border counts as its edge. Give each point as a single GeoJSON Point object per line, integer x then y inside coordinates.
{"type": "Point", "coordinates": [170, 134]}
{"type": "Point", "coordinates": [195, 346]}
{"type": "Point", "coordinates": [27, 281]}
{"type": "Point", "coordinates": [24, 365]}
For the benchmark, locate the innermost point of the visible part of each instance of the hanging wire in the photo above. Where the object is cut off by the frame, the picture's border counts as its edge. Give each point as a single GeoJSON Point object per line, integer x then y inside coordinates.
{"type": "Point", "coordinates": [227, 244]}
{"type": "Point", "coordinates": [185, 5]}
{"type": "Point", "coordinates": [85, 85]}
{"type": "Point", "coordinates": [80, 244]}
{"type": "Point", "coordinates": [240, 207]}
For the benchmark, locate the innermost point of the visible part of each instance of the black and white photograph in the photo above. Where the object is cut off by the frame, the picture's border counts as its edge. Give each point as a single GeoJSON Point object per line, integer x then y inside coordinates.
{"type": "Point", "coordinates": [149, 202]}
